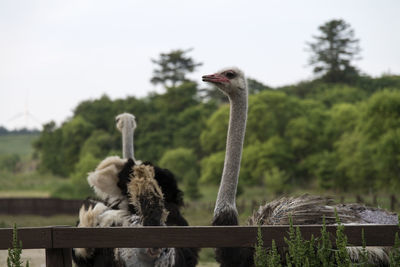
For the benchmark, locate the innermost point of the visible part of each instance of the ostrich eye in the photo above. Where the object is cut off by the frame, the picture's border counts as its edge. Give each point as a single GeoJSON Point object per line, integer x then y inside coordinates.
{"type": "Point", "coordinates": [230, 74]}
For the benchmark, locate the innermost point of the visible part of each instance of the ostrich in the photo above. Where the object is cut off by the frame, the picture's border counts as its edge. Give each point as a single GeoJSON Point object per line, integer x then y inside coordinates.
{"type": "Point", "coordinates": [133, 194]}
{"type": "Point", "coordinates": [303, 210]}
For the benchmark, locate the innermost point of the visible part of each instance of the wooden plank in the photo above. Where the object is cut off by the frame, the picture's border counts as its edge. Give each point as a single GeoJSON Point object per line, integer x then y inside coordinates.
{"type": "Point", "coordinates": [207, 236]}
{"type": "Point", "coordinates": [60, 257]}
{"type": "Point", "coordinates": [39, 206]}
{"type": "Point", "coordinates": [33, 237]}
{"type": "Point", "coordinates": [194, 236]}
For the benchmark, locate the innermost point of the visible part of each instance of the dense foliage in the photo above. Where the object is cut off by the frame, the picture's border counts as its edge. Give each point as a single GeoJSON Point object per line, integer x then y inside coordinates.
{"type": "Point", "coordinates": [336, 136]}
{"type": "Point", "coordinates": [331, 134]}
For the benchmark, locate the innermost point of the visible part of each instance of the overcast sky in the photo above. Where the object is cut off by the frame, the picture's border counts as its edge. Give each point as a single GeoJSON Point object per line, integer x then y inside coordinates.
{"type": "Point", "coordinates": [54, 54]}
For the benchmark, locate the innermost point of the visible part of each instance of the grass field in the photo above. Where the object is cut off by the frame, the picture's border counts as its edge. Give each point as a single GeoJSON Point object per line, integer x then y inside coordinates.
{"type": "Point", "coordinates": [27, 184]}
{"type": "Point", "coordinates": [17, 144]}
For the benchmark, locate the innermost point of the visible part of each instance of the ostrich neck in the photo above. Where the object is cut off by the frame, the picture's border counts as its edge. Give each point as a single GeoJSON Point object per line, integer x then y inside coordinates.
{"type": "Point", "coordinates": [127, 142]}
{"type": "Point", "coordinates": [226, 198]}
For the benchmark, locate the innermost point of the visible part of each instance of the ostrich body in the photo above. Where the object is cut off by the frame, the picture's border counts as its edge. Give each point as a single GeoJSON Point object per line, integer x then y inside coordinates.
{"type": "Point", "coordinates": [133, 194]}
{"type": "Point", "coordinates": [303, 210]}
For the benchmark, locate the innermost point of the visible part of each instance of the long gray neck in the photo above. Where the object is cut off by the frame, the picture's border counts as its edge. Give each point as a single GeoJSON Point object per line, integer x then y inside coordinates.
{"type": "Point", "coordinates": [127, 141]}
{"type": "Point", "coordinates": [234, 145]}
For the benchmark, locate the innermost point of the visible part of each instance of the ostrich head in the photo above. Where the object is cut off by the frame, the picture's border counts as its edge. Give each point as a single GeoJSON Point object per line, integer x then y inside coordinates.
{"type": "Point", "coordinates": [125, 120]}
{"type": "Point", "coordinates": [126, 124]}
{"type": "Point", "coordinates": [231, 81]}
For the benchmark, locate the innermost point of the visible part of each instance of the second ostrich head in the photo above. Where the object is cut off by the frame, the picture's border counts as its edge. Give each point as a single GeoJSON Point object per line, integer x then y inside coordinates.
{"type": "Point", "coordinates": [126, 124]}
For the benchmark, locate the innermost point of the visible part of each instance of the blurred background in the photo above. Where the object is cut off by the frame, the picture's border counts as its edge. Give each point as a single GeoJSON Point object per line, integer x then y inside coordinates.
{"type": "Point", "coordinates": [324, 105]}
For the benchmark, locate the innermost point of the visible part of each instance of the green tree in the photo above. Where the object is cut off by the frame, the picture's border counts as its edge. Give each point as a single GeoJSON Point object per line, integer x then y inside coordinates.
{"type": "Point", "coordinates": [380, 125]}
{"type": "Point", "coordinates": [49, 146]}
{"type": "Point", "coordinates": [260, 158]}
{"type": "Point", "coordinates": [341, 118]}
{"type": "Point", "coordinates": [76, 186]}
{"type": "Point", "coordinates": [334, 50]}
{"type": "Point", "coordinates": [369, 155]}
{"type": "Point", "coordinates": [99, 112]}
{"type": "Point", "coordinates": [183, 163]}
{"type": "Point", "coordinates": [256, 87]}
{"type": "Point", "coordinates": [339, 94]}
{"type": "Point", "coordinates": [213, 136]}
{"type": "Point", "coordinates": [99, 144]}
{"type": "Point", "coordinates": [269, 114]}
{"type": "Point", "coordinates": [74, 134]}
{"type": "Point", "coordinates": [173, 67]}
{"type": "Point", "coordinates": [276, 180]}
{"type": "Point", "coordinates": [211, 168]}
{"type": "Point", "coordinates": [190, 124]}
{"type": "Point", "coordinates": [162, 122]}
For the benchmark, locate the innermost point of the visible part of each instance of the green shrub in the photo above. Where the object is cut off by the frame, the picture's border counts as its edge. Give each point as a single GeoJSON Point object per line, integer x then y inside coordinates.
{"type": "Point", "coordinates": [395, 253]}
{"type": "Point", "coordinates": [316, 251]}
{"type": "Point", "coordinates": [341, 255]}
{"type": "Point", "coordinates": [260, 254]}
{"type": "Point", "coordinates": [14, 253]}
{"type": "Point", "coordinates": [273, 257]}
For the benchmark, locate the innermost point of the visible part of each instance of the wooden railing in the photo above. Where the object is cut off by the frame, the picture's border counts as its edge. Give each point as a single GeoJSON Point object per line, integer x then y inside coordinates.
{"type": "Point", "coordinates": [53, 206]}
{"type": "Point", "coordinates": [39, 206]}
{"type": "Point", "coordinates": [58, 240]}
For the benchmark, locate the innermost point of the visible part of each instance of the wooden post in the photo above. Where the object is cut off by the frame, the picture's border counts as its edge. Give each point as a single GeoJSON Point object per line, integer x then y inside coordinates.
{"type": "Point", "coordinates": [393, 202]}
{"type": "Point", "coordinates": [375, 200]}
{"type": "Point", "coordinates": [60, 257]}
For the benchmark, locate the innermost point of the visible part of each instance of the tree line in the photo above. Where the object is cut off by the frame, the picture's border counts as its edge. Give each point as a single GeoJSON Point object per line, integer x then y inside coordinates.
{"type": "Point", "coordinates": [340, 131]}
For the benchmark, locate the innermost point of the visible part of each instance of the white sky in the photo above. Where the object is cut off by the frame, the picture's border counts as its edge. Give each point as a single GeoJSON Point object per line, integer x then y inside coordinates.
{"type": "Point", "coordinates": [54, 54]}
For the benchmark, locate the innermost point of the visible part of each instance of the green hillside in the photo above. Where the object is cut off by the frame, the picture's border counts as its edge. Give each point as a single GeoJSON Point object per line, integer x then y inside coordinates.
{"type": "Point", "coordinates": [20, 144]}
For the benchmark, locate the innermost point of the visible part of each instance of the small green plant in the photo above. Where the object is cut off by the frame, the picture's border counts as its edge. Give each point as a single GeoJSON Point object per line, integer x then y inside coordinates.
{"type": "Point", "coordinates": [364, 252]}
{"type": "Point", "coordinates": [299, 252]}
{"type": "Point", "coordinates": [14, 253]}
{"type": "Point", "coordinates": [395, 253]}
{"type": "Point", "coordinates": [260, 254]}
{"type": "Point", "coordinates": [341, 255]}
{"type": "Point", "coordinates": [261, 257]}
{"type": "Point", "coordinates": [324, 249]}
{"type": "Point", "coordinates": [273, 257]}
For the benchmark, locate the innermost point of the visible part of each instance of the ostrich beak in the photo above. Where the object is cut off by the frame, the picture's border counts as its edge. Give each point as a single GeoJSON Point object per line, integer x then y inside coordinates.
{"type": "Point", "coordinates": [215, 78]}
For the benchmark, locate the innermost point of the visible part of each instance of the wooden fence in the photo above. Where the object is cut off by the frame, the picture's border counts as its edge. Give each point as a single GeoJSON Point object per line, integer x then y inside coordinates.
{"type": "Point", "coordinates": [58, 240]}
{"type": "Point", "coordinates": [39, 206]}
{"type": "Point", "coordinates": [54, 206]}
